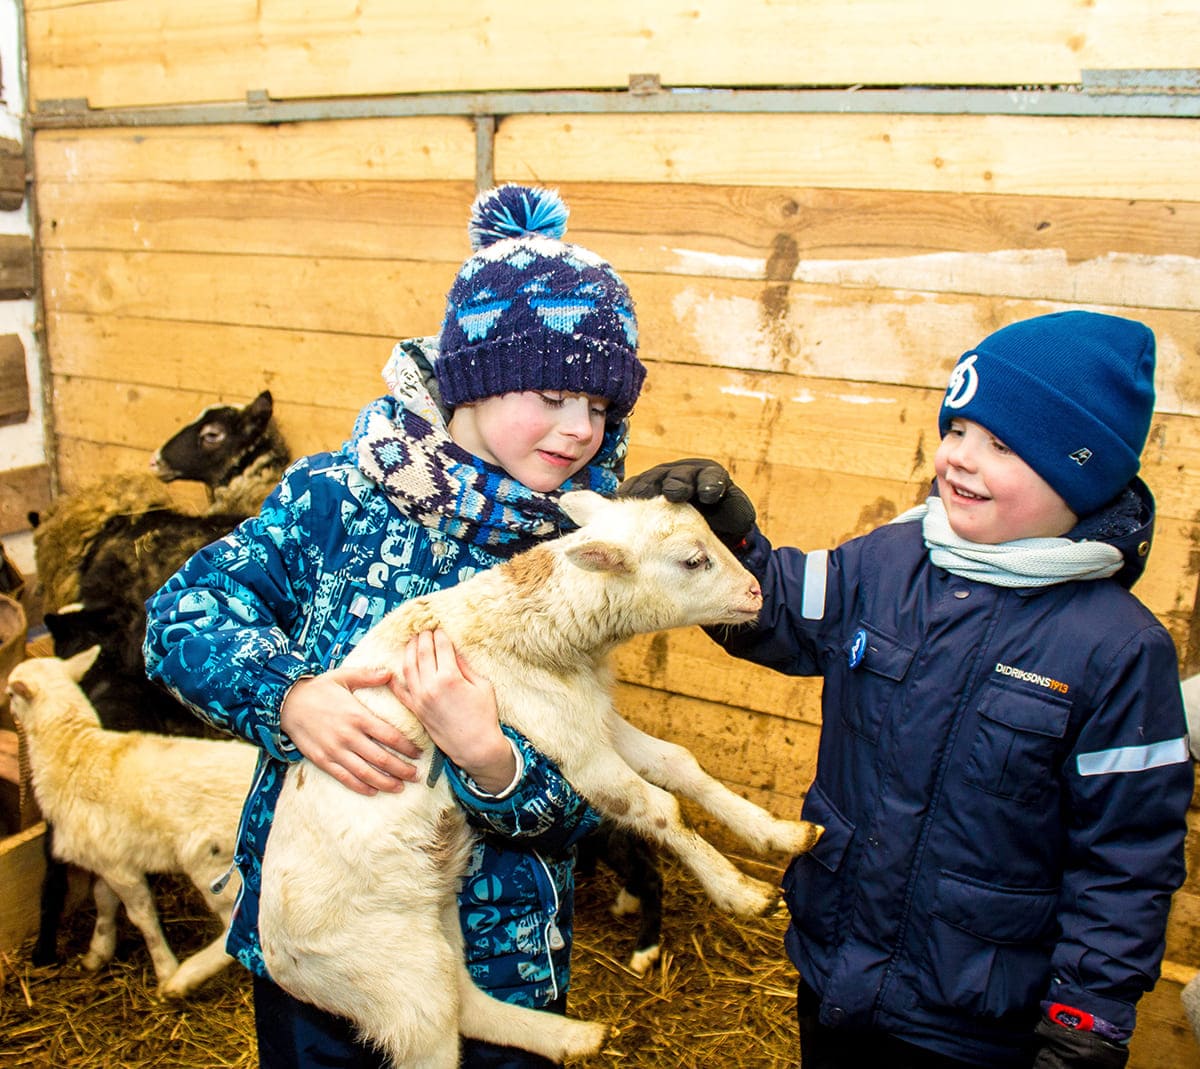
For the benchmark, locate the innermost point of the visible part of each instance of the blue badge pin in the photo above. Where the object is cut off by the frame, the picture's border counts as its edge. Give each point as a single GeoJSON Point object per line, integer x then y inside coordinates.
{"type": "Point", "coordinates": [858, 647]}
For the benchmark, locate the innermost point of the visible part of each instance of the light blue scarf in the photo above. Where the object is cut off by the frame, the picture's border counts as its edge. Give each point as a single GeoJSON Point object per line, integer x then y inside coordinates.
{"type": "Point", "coordinates": [1025, 562]}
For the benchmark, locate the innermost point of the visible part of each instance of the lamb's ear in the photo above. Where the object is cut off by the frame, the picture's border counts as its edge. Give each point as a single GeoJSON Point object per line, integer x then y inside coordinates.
{"type": "Point", "coordinates": [583, 506]}
{"type": "Point", "coordinates": [78, 665]}
{"type": "Point", "coordinates": [20, 689]}
{"type": "Point", "coordinates": [596, 555]}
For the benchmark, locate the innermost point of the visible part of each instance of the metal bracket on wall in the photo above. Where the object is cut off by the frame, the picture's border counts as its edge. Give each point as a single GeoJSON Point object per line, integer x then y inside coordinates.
{"type": "Point", "coordinates": [1168, 93]}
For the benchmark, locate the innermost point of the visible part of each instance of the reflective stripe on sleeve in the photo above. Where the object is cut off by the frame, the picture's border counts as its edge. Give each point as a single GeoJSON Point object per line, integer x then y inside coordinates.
{"type": "Point", "coordinates": [1134, 758]}
{"type": "Point", "coordinates": [812, 597]}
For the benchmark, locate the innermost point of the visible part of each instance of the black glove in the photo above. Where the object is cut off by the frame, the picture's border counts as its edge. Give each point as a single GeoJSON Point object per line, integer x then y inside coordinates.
{"type": "Point", "coordinates": [704, 484]}
{"type": "Point", "coordinates": [1068, 1048]}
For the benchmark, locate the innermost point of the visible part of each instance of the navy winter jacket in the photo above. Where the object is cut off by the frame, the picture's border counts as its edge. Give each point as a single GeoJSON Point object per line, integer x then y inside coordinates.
{"type": "Point", "coordinates": [1003, 778]}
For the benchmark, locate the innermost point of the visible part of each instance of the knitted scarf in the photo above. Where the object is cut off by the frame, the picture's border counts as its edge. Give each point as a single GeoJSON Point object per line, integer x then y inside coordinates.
{"type": "Point", "coordinates": [402, 443]}
{"type": "Point", "coordinates": [1024, 562]}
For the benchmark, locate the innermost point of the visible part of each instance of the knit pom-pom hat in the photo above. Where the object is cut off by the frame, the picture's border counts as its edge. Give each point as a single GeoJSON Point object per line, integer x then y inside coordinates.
{"type": "Point", "coordinates": [1072, 394]}
{"type": "Point", "coordinates": [530, 312]}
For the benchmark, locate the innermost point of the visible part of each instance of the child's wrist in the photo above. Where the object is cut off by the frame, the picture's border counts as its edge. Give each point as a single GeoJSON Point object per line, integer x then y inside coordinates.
{"type": "Point", "coordinates": [493, 767]}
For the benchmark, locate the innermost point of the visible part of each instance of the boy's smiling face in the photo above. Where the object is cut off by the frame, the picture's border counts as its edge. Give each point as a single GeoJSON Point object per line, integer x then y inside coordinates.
{"type": "Point", "coordinates": [540, 437]}
{"type": "Point", "coordinates": [991, 495]}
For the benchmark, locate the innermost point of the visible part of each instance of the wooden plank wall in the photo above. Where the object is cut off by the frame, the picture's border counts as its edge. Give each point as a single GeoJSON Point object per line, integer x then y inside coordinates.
{"type": "Point", "coordinates": [804, 281]}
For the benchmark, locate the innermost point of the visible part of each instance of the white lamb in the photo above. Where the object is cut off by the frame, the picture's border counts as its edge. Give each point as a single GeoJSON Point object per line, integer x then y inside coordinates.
{"type": "Point", "coordinates": [358, 911]}
{"type": "Point", "coordinates": [127, 803]}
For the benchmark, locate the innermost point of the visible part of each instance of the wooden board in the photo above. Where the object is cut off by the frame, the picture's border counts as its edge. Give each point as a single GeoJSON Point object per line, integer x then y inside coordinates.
{"type": "Point", "coordinates": [12, 174]}
{"type": "Point", "coordinates": [393, 298]}
{"type": "Point", "coordinates": [22, 869]}
{"type": "Point", "coordinates": [1163, 1038]}
{"type": "Point", "coordinates": [1014, 154]}
{"type": "Point", "coordinates": [131, 52]}
{"type": "Point", "coordinates": [14, 383]}
{"type": "Point", "coordinates": [23, 490]}
{"type": "Point", "coordinates": [860, 333]}
{"type": "Point", "coordinates": [1111, 252]}
{"type": "Point", "coordinates": [16, 266]}
{"type": "Point", "coordinates": [395, 150]}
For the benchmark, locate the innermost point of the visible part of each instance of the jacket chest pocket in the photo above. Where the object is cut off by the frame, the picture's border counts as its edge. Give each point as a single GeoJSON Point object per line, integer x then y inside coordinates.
{"type": "Point", "coordinates": [876, 664]}
{"type": "Point", "coordinates": [1018, 745]}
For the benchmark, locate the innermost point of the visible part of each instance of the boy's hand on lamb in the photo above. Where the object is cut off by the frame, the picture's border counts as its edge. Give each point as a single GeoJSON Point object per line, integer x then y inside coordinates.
{"type": "Point", "coordinates": [704, 484]}
{"type": "Point", "coordinates": [458, 709]}
{"type": "Point", "coordinates": [342, 737]}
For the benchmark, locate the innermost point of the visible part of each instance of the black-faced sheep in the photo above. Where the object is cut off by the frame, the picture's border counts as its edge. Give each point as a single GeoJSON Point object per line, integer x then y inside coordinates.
{"type": "Point", "coordinates": [238, 453]}
{"type": "Point", "coordinates": [125, 804]}
{"type": "Point", "coordinates": [358, 912]}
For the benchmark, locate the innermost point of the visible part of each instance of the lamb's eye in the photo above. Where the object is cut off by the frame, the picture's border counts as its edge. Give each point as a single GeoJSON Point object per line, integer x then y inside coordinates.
{"type": "Point", "coordinates": [211, 436]}
{"type": "Point", "coordinates": [700, 560]}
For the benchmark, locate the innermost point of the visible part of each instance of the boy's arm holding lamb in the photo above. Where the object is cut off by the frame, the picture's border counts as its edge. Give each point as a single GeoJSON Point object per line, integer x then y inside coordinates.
{"type": "Point", "coordinates": [503, 783]}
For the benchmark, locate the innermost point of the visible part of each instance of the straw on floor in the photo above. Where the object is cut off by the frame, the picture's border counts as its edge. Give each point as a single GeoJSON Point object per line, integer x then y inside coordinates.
{"type": "Point", "coordinates": [723, 994]}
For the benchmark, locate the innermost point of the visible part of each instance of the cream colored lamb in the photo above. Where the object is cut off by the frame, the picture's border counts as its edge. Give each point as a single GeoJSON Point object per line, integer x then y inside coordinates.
{"type": "Point", "coordinates": [127, 803]}
{"type": "Point", "coordinates": [358, 911]}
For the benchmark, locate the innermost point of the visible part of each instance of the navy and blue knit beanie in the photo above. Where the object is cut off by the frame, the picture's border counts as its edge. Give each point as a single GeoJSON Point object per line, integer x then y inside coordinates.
{"type": "Point", "coordinates": [1072, 394]}
{"type": "Point", "coordinates": [531, 312]}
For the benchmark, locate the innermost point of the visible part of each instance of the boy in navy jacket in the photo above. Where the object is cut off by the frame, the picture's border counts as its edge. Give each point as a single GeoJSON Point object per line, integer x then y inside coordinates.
{"type": "Point", "coordinates": [1003, 772]}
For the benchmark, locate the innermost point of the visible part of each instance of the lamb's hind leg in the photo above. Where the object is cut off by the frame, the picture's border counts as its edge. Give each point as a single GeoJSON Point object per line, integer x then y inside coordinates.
{"type": "Point", "coordinates": [211, 958]}
{"type": "Point", "coordinates": [488, 1019]}
{"type": "Point", "coordinates": [620, 793]}
{"type": "Point", "coordinates": [674, 768]}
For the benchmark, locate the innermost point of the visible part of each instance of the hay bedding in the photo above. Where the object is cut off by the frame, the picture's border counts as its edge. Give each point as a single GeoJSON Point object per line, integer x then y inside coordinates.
{"type": "Point", "coordinates": [723, 994]}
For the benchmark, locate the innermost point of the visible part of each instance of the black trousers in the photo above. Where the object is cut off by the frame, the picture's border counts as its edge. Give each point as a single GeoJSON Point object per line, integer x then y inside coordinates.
{"type": "Point", "coordinates": [296, 1035]}
{"type": "Point", "coordinates": [822, 1047]}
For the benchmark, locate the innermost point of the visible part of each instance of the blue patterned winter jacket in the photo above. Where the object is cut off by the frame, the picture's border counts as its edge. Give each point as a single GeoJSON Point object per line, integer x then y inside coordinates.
{"type": "Point", "coordinates": [287, 594]}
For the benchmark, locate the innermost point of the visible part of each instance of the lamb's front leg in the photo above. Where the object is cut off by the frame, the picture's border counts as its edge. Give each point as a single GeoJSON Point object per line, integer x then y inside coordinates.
{"type": "Point", "coordinates": [616, 790]}
{"type": "Point", "coordinates": [674, 768]}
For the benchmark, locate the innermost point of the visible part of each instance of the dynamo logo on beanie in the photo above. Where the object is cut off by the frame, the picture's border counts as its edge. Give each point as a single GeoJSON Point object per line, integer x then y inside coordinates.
{"type": "Point", "coordinates": [964, 381]}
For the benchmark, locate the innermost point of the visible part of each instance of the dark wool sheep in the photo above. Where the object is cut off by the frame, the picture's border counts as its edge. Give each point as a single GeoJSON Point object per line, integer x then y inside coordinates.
{"type": "Point", "coordinates": [236, 452]}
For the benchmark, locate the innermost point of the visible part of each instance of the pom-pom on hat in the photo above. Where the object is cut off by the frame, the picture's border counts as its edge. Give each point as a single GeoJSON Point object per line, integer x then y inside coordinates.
{"type": "Point", "coordinates": [529, 311]}
{"type": "Point", "coordinates": [1072, 394]}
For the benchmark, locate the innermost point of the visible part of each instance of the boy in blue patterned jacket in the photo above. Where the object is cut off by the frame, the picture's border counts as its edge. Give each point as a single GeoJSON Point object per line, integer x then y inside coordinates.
{"type": "Point", "coordinates": [524, 394]}
{"type": "Point", "coordinates": [1003, 771]}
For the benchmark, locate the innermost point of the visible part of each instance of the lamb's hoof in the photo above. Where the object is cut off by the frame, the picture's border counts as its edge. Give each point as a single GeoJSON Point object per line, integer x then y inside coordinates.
{"type": "Point", "coordinates": [754, 899]}
{"type": "Point", "coordinates": [642, 961]}
{"type": "Point", "coordinates": [171, 993]}
{"type": "Point", "coordinates": [586, 1038]}
{"type": "Point", "coordinates": [799, 836]}
{"type": "Point", "coordinates": [93, 962]}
